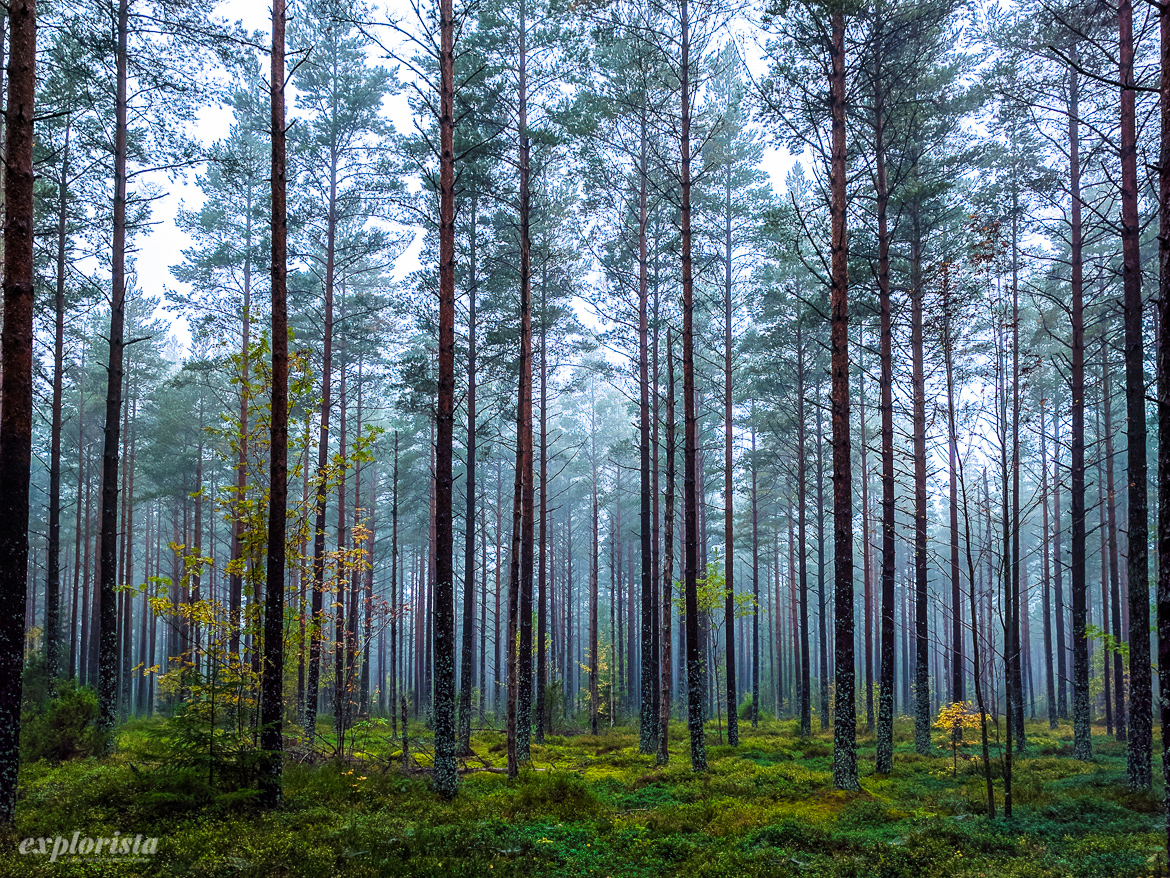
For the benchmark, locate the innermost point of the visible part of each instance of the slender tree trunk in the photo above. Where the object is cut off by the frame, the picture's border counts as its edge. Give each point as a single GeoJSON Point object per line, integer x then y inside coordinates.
{"type": "Point", "coordinates": [272, 683]}
{"type": "Point", "coordinates": [728, 475]}
{"type": "Point", "coordinates": [958, 667]}
{"type": "Point", "coordinates": [394, 602]}
{"type": "Point", "coordinates": [340, 608]}
{"type": "Point", "coordinates": [1082, 741]}
{"type": "Point", "coordinates": [107, 676]}
{"type": "Point", "coordinates": [1049, 677]}
{"type": "Point", "coordinates": [468, 647]}
{"type": "Point", "coordinates": [690, 447]}
{"type": "Point", "coordinates": [1015, 596]}
{"type": "Point", "coordinates": [542, 526]}
{"type": "Point", "coordinates": [755, 583]}
{"type": "Point", "coordinates": [822, 567]}
{"type": "Point", "coordinates": [317, 626]}
{"type": "Point", "coordinates": [1138, 754]}
{"type": "Point", "coordinates": [16, 389]}
{"type": "Point", "coordinates": [648, 731]}
{"type": "Point", "coordinates": [976, 661]}
{"type": "Point", "coordinates": [922, 724]}
{"type": "Point", "coordinates": [446, 776]}
{"type": "Point", "coordinates": [1110, 533]}
{"type": "Point", "coordinates": [867, 570]}
{"type": "Point", "coordinates": [668, 558]}
{"type": "Point", "coordinates": [885, 719]}
{"type": "Point", "coordinates": [594, 658]}
{"type": "Point", "coordinates": [1163, 378]}
{"type": "Point", "coordinates": [77, 613]}
{"type": "Point", "coordinates": [236, 573]}
{"type": "Point", "coordinates": [53, 572]}
{"type": "Point", "coordinates": [805, 672]}
{"type": "Point", "coordinates": [523, 695]}
{"type": "Point", "coordinates": [1061, 647]}
{"type": "Point", "coordinates": [845, 726]}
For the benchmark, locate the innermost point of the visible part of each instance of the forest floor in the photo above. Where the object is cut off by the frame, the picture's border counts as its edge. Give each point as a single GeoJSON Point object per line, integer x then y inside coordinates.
{"type": "Point", "coordinates": [593, 806]}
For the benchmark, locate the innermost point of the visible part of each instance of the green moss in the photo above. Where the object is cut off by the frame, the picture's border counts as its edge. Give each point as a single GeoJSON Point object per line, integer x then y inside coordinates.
{"type": "Point", "coordinates": [594, 806]}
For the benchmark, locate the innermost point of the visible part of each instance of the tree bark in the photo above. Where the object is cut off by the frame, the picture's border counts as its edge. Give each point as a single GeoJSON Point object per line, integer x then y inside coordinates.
{"type": "Point", "coordinates": [53, 572]}
{"type": "Point", "coordinates": [668, 559]}
{"type": "Point", "coordinates": [845, 725]}
{"type": "Point", "coordinates": [1139, 753]}
{"type": "Point", "coordinates": [922, 717]}
{"type": "Point", "coordinates": [468, 646]}
{"type": "Point", "coordinates": [1110, 533]}
{"type": "Point", "coordinates": [728, 475]}
{"type": "Point", "coordinates": [1049, 677]}
{"type": "Point", "coordinates": [867, 570]}
{"type": "Point", "coordinates": [272, 688]}
{"type": "Point", "coordinates": [524, 409]}
{"type": "Point", "coordinates": [446, 776]}
{"type": "Point", "coordinates": [1163, 378]}
{"type": "Point", "coordinates": [1082, 741]}
{"type": "Point", "coordinates": [107, 671]}
{"type": "Point", "coordinates": [884, 763]}
{"type": "Point", "coordinates": [16, 389]}
{"type": "Point", "coordinates": [690, 437]}
{"type": "Point", "coordinates": [805, 673]}
{"type": "Point", "coordinates": [317, 626]}
{"type": "Point", "coordinates": [1061, 648]}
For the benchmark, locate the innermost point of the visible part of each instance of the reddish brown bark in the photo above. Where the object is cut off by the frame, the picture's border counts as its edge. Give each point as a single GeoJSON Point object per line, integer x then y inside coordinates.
{"type": "Point", "coordinates": [445, 773]}
{"type": "Point", "coordinates": [16, 386]}
{"type": "Point", "coordinates": [845, 727]}
{"type": "Point", "coordinates": [272, 688]}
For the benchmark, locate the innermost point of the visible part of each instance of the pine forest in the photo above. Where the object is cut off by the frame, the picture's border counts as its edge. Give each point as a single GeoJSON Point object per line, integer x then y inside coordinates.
{"type": "Point", "coordinates": [539, 438]}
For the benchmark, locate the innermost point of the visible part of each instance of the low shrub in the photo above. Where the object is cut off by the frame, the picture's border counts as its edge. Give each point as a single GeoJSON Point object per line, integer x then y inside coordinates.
{"type": "Point", "coordinates": [64, 728]}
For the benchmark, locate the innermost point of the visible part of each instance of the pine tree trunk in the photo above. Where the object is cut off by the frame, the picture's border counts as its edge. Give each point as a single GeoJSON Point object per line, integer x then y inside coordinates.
{"type": "Point", "coordinates": [694, 645]}
{"type": "Point", "coordinates": [885, 719]}
{"type": "Point", "coordinates": [1061, 646]}
{"type": "Point", "coordinates": [1163, 390]}
{"type": "Point", "coordinates": [542, 514]}
{"type": "Point", "coordinates": [667, 565]}
{"type": "Point", "coordinates": [16, 388]}
{"type": "Point", "coordinates": [272, 688]}
{"type": "Point", "coordinates": [446, 776]}
{"type": "Point", "coordinates": [822, 567]}
{"type": "Point", "coordinates": [845, 726]}
{"type": "Point", "coordinates": [523, 730]}
{"type": "Point", "coordinates": [236, 573]}
{"type": "Point", "coordinates": [595, 561]}
{"type": "Point", "coordinates": [1138, 754]}
{"type": "Point", "coordinates": [340, 608]}
{"type": "Point", "coordinates": [107, 640]}
{"type": "Point", "coordinates": [648, 730]}
{"type": "Point", "coordinates": [921, 570]}
{"type": "Point", "coordinates": [53, 560]}
{"type": "Point", "coordinates": [317, 626]}
{"type": "Point", "coordinates": [867, 570]}
{"type": "Point", "coordinates": [958, 691]}
{"type": "Point", "coordinates": [1110, 533]}
{"type": "Point", "coordinates": [728, 474]}
{"type": "Point", "coordinates": [77, 613]}
{"type": "Point", "coordinates": [1082, 741]}
{"type": "Point", "coordinates": [1015, 594]}
{"type": "Point", "coordinates": [394, 602]}
{"type": "Point", "coordinates": [1049, 676]}
{"type": "Point", "coordinates": [755, 583]}
{"type": "Point", "coordinates": [805, 672]}
{"type": "Point", "coordinates": [468, 647]}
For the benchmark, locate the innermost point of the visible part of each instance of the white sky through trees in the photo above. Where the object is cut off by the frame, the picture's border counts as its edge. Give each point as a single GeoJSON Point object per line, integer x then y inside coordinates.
{"type": "Point", "coordinates": [156, 251]}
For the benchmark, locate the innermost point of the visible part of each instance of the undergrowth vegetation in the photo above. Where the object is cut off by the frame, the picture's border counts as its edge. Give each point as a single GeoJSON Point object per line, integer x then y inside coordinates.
{"type": "Point", "coordinates": [593, 806]}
